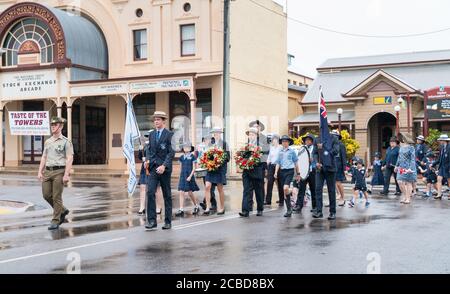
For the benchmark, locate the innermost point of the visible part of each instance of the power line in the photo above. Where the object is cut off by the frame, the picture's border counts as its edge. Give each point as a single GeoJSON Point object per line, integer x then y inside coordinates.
{"type": "Point", "coordinates": [352, 34]}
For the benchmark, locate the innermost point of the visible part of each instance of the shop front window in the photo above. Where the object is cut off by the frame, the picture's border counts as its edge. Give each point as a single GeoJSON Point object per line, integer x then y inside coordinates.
{"type": "Point", "coordinates": [144, 106]}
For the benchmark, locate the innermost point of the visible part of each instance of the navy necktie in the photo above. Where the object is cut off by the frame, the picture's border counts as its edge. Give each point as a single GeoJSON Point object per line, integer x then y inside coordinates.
{"type": "Point", "coordinates": [158, 135]}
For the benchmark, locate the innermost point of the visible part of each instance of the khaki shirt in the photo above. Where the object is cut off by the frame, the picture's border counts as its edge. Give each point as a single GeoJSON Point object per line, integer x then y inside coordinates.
{"type": "Point", "coordinates": [57, 150]}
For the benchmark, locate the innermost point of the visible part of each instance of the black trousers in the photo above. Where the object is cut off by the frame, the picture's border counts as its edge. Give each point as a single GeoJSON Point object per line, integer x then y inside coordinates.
{"type": "Point", "coordinates": [264, 167]}
{"type": "Point", "coordinates": [270, 182]}
{"type": "Point", "coordinates": [322, 177]}
{"type": "Point", "coordinates": [388, 172]}
{"type": "Point", "coordinates": [164, 182]}
{"type": "Point", "coordinates": [311, 181]}
{"type": "Point", "coordinates": [251, 186]}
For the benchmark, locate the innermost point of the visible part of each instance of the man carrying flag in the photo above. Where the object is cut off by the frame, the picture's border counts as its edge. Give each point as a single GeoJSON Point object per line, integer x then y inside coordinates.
{"type": "Point", "coordinates": [327, 147]}
{"type": "Point", "coordinates": [159, 155]}
{"type": "Point", "coordinates": [131, 134]}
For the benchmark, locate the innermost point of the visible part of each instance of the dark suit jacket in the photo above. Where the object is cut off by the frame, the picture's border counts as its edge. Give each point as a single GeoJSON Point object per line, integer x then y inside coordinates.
{"type": "Point", "coordinates": [161, 152]}
{"type": "Point", "coordinates": [391, 157]}
{"type": "Point", "coordinates": [444, 158]}
{"type": "Point", "coordinates": [333, 152]}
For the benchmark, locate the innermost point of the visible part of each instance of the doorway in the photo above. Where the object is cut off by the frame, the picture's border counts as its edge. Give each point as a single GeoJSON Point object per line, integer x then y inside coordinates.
{"type": "Point", "coordinates": [381, 128]}
{"type": "Point", "coordinates": [88, 133]}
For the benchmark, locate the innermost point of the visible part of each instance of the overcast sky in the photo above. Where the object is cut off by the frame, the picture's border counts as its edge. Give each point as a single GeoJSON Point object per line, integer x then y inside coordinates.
{"type": "Point", "coordinates": [312, 47]}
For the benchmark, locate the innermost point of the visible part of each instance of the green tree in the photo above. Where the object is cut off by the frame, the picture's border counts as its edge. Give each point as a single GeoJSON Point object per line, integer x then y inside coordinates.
{"type": "Point", "coordinates": [431, 140]}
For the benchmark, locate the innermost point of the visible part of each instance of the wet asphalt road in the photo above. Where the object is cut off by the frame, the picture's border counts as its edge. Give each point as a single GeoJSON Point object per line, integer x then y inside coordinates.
{"type": "Point", "coordinates": [104, 235]}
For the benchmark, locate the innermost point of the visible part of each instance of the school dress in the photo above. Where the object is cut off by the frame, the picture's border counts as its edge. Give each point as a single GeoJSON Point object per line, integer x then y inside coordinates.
{"type": "Point", "coordinates": [407, 160]}
{"type": "Point", "coordinates": [219, 176]}
{"type": "Point", "coordinates": [378, 177]}
{"type": "Point", "coordinates": [143, 174]}
{"type": "Point", "coordinates": [360, 180]}
{"type": "Point", "coordinates": [186, 169]}
{"type": "Point", "coordinates": [340, 160]}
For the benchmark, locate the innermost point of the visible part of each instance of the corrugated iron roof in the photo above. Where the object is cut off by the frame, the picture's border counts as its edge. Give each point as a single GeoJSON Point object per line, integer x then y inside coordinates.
{"type": "Point", "coordinates": [84, 41]}
{"type": "Point", "coordinates": [335, 84]}
{"type": "Point", "coordinates": [410, 57]}
{"type": "Point", "coordinates": [332, 117]}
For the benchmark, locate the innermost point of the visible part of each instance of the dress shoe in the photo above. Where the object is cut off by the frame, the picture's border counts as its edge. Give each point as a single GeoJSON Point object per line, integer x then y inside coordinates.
{"type": "Point", "coordinates": [158, 212]}
{"type": "Point", "coordinates": [398, 193]}
{"type": "Point", "coordinates": [317, 214]}
{"type": "Point", "coordinates": [196, 210]}
{"type": "Point", "coordinates": [53, 227]}
{"type": "Point", "coordinates": [267, 203]}
{"type": "Point", "coordinates": [437, 197]}
{"type": "Point", "coordinates": [142, 212]}
{"type": "Point", "coordinates": [259, 213]}
{"type": "Point", "coordinates": [332, 216]}
{"type": "Point", "coordinates": [213, 208]}
{"type": "Point", "coordinates": [206, 212]}
{"type": "Point", "coordinates": [63, 216]}
{"type": "Point", "coordinates": [383, 194]}
{"type": "Point", "coordinates": [297, 208]}
{"type": "Point", "coordinates": [179, 213]}
{"type": "Point", "coordinates": [167, 227]}
{"type": "Point", "coordinates": [203, 206]}
{"type": "Point", "coordinates": [244, 214]}
{"type": "Point", "coordinates": [288, 213]}
{"type": "Point", "coordinates": [151, 226]}
{"type": "Point", "coordinates": [221, 212]}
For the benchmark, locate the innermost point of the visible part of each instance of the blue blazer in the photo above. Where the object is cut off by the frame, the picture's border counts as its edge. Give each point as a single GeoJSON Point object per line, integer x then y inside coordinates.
{"type": "Point", "coordinates": [391, 156]}
{"type": "Point", "coordinates": [318, 155]}
{"type": "Point", "coordinates": [444, 158]}
{"type": "Point", "coordinates": [160, 152]}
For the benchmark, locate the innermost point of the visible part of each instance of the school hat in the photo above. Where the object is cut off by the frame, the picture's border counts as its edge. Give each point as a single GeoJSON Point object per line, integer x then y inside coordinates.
{"type": "Point", "coordinates": [421, 138]}
{"type": "Point", "coordinates": [287, 138]}
{"type": "Point", "coordinates": [308, 136]}
{"type": "Point", "coordinates": [443, 137]}
{"type": "Point", "coordinates": [159, 114]}
{"type": "Point", "coordinates": [257, 122]}
{"type": "Point", "coordinates": [394, 139]}
{"type": "Point", "coordinates": [337, 134]}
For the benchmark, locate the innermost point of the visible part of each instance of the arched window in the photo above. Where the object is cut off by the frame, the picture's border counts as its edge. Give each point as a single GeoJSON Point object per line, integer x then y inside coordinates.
{"type": "Point", "coordinates": [24, 32]}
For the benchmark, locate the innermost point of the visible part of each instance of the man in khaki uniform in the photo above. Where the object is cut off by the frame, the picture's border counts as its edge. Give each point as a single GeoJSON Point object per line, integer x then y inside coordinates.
{"type": "Point", "coordinates": [54, 170]}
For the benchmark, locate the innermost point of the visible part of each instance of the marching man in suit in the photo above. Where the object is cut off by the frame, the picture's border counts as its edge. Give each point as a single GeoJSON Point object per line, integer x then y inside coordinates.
{"type": "Point", "coordinates": [159, 156]}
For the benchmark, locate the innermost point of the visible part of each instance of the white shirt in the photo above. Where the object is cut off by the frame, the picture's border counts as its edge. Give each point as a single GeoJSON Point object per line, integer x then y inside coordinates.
{"type": "Point", "coordinates": [273, 153]}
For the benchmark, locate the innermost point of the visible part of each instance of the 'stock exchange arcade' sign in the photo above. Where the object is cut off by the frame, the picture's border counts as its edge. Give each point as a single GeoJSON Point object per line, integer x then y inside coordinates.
{"type": "Point", "coordinates": [32, 84]}
{"type": "Point", "coordinates": [439, 103]}
{"type": "Point", "coordinates": [29, 123]}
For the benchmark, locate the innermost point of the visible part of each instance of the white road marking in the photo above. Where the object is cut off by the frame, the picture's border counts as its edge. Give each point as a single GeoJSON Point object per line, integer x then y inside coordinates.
{"type": "Point", "coordinates": [60, 250]}
{"type": "Point", "coordinates": [216, 220]}
{"type": "Point", "coordinates": [180, 227]}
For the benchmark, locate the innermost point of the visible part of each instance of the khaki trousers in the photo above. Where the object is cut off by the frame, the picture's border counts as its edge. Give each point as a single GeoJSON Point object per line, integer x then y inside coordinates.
{"type": "Point", "coordinates": [52, 189]}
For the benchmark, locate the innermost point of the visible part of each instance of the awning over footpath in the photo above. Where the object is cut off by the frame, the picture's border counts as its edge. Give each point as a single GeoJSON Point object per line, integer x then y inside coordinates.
{"type": "Point", "coordinates": [313, 118]}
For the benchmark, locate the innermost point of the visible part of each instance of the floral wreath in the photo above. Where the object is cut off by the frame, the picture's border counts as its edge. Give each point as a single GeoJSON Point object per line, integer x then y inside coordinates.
{"type": "Point", "coordinates": [213, 158]}
{"type": "Point", "coordinates": [248, 157]}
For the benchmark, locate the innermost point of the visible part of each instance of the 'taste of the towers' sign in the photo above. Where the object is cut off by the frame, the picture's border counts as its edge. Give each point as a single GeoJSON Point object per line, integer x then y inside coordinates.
{"type": "Point", "coordinates": [31, 84]}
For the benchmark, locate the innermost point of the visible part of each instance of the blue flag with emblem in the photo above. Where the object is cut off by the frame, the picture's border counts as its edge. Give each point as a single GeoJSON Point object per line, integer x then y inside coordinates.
{"type": "Point", "coordinates": [131, 134]}
{"type": "Point", "coordinates": [325, 137]}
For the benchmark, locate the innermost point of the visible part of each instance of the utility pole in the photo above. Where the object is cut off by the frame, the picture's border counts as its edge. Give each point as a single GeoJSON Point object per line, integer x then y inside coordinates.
{"type": "Point", "coordinates": [226, 69]}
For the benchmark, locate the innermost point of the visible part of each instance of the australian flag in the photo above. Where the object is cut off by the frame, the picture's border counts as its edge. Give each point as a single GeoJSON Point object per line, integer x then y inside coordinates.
{"type": "Point", "coordinates": [325, 137]}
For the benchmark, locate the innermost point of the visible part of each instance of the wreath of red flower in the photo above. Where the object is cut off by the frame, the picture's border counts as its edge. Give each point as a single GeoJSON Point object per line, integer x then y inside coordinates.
{"type": "Point", "coordinates": [213, 159]}
{"type": "Point", "coordinates": [248, 157]}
